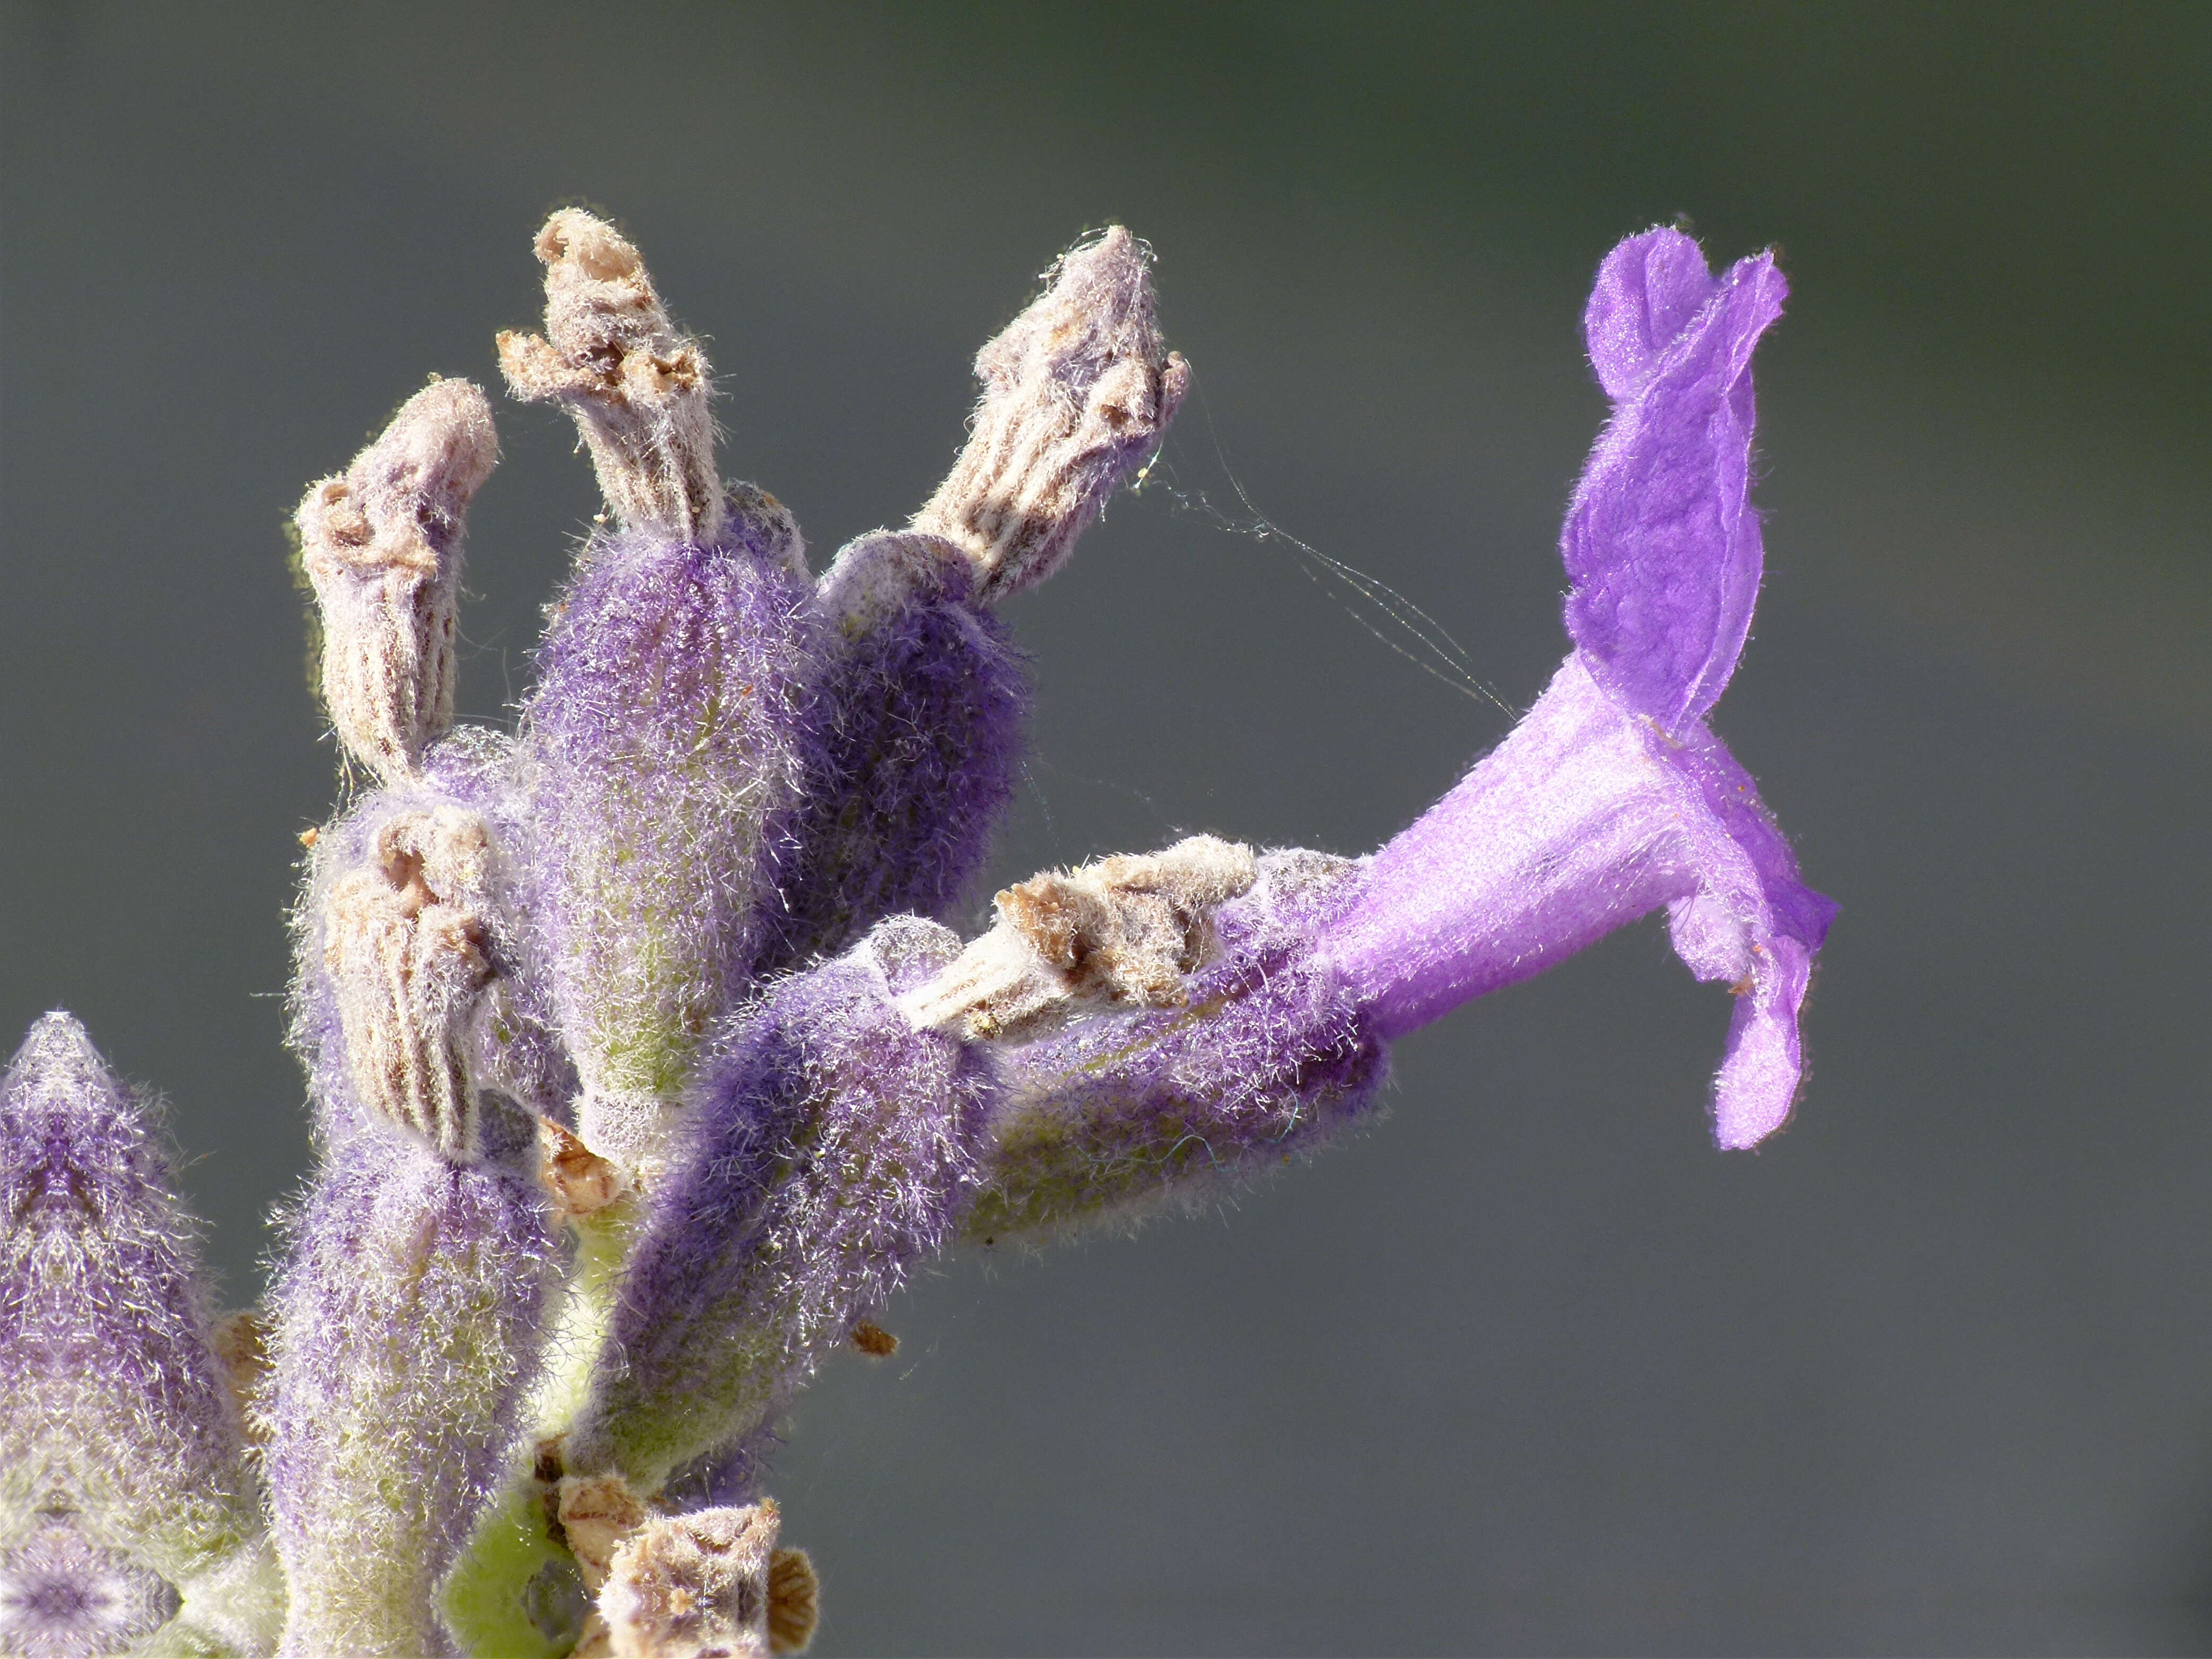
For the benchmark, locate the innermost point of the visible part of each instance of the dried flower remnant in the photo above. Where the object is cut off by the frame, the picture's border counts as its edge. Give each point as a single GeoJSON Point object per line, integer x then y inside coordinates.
{"type": "Point", "coordinates": [1077, 393]}
{"type": "Point", "coordinates": [382, 547]}
{"type": "Point", "coordinates": [637, 388]}
{"type": "Point", "coordinates": [581, 1183]}
{"type": "Point", "coordinates": [794, 1598]}
{"type": "Point", "coordinates": [596, 1513]}
{"type": "Point", "coordinates": [405, 943]}
{"type": "Point", "coordinates": [643, 1067]}
{"type": "Point", "coordinates": [1120, 933]}
{"type": "Point", "coordinates": [681, 1586]}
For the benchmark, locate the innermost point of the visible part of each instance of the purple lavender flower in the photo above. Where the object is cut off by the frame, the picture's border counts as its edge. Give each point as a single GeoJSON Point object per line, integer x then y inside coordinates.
{"type": "Point", "coordinates": [525, 967]}
{"type": "Point", "coordinates": [1612, 798]}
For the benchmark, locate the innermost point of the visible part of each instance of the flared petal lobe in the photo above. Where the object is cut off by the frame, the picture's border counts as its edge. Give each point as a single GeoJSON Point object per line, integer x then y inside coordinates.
{"type": "Point", "coordinates": [1661, 541]}
{"type": "Point", "coordinates": [1580, 821]}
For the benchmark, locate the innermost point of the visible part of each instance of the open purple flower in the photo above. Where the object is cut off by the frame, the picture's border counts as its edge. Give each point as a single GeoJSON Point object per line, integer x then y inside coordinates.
{"type": "Point", "coordinates": [1613, 797]}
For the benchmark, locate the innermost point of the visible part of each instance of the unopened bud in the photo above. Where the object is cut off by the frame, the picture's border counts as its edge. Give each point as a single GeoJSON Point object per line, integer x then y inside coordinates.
{"type": "Point", "coordinates": [110, 1391]}
{"type": "Point", "coordinates": [685, 1585]}
{"type": "Point", "coordinates": [1119, 933]}
{"type": "Point", "coordinates": [405, 941]}
{"type": "Point", "coordinates": [636, 386]}
{"type": "Point", "coordinates": [382, 547]}
{"type": "Point", "coordinates": [1078, 392]}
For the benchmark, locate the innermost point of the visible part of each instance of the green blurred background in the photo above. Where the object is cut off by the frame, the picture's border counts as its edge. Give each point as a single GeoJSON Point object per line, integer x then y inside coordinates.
{"type": "Point", "coordinates": [1529, 1368]}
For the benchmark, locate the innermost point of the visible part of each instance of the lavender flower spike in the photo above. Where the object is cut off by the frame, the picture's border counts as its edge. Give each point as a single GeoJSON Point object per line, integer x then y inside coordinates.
{"type": "Point", "coordinates": [665, 737]}
{"type": "Point", "coordinates": [922, 697]}
{"type": "Point", "coordinates": [129, 1493]}
{"type": "Point", "coordinates": [1612, 798]}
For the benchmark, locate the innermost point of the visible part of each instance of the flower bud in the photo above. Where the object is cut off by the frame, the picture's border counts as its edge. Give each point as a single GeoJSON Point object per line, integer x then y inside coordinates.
{"type": "Point", "coordinates": [406, 1334]}
{"type": "Point", "coordinates": [919, 708]}
{"type": "Point", "coordinates": [64, 1591]}
{"type": "Point", "coordinates": [113, 1400]}
{"type": "Point", "coordinates": [828, 1147]}
{"type": "Point", "coordinates": [662, 750]}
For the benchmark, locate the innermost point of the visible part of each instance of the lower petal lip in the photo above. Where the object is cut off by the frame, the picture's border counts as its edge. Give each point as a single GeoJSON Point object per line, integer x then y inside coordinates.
{"type": "Point", "coordinates": [1585, 819]}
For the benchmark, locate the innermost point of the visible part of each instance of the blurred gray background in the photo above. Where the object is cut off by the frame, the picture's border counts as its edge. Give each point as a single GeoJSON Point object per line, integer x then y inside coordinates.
{"type": "Point", "coordinates": [1530, 1367]}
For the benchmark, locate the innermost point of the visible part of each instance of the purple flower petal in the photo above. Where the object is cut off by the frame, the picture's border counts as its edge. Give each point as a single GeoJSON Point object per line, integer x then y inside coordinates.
{"type": "Point", "coordinates": [1612, 798]}
{"type": "Point", "coordinates": [1661, 541]}
{"type": "Point", "coordinates": [1584, 819]}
